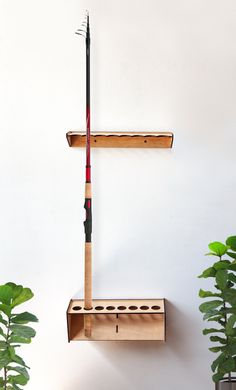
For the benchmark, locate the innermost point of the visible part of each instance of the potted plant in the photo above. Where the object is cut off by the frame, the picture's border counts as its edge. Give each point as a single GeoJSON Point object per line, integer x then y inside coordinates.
{"type": "Point", "coordinates": [220, 308]}
{"type": "Point", "coordinates": [13, 333]}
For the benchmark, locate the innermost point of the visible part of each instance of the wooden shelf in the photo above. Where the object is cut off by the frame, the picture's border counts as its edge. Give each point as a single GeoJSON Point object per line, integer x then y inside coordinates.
{"type": "Point", "coordinates": [149, 139]}
{"type": "Point", "coordinates": [118, 319]}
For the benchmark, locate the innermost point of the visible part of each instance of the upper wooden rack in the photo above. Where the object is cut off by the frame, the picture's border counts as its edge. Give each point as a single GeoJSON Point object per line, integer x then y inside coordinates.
{"type": "Point", "coordinates": [126, 139]}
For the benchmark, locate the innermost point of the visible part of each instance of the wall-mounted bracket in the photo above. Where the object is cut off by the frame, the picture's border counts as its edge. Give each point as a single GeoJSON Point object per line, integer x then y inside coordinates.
{"type": "Point", "coordinates": [149, 139]}
{"type": "Point", "coordinates": [118, 319]}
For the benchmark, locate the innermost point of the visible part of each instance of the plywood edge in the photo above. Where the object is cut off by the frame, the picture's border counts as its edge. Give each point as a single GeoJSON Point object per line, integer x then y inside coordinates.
{"type": "Point", "coordinates": [118, 306]}
{"type": "Point", "coordinates": [126, 139]}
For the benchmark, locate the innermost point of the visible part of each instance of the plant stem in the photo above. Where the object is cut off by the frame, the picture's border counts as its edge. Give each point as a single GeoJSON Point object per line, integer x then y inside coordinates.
{"type": "Point", "coordinates": [5, 378]}
{"type": "Point", "coordinates": [227, 338]}
{"type": "Point", "coordinates": [5, 368]}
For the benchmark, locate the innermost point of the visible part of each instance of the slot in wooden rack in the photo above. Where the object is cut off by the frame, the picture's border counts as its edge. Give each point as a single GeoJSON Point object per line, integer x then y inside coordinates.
{"type": "Point", "coordinates": [149, 139]}
{"type": "Point", "coordinates": [118, 319]}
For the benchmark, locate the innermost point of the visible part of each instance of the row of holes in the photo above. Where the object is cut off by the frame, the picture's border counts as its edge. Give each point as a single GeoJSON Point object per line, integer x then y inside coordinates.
{"type": "Point", "coordinates": [145, 141]}
{"type": "Point", "coordinates": [99, 308]}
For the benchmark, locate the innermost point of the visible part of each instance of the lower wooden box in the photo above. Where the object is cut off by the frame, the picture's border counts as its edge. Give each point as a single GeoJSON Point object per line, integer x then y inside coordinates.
{"type": "Point", "coordinates": [118, 319]}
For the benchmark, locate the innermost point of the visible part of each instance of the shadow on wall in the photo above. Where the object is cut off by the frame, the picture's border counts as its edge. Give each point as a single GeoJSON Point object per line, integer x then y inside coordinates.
{"type": "Point", "coordinates": [139, 364]}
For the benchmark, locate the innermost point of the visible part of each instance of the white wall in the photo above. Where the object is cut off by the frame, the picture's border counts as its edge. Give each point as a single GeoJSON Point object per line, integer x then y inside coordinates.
{"type": "Point", "coordinates": [156, 65]}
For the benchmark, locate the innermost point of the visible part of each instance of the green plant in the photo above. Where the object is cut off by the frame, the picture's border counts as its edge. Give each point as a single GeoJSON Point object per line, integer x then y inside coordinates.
{"type": "Point", "coordinates": [13, 333]}
{"type": "Point", "coordinates": [221, 308]}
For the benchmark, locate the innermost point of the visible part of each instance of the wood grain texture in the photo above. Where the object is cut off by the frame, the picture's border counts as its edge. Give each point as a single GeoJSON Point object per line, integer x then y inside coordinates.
{"type": "Point", "coordinates": [116, 324]}
{"type": "Point", "coordinates": [104, 139]}
{"type": "Point", "coordinates": [88, 276]}
{"type": "Point", "coordinates": [88, 326]}
{"type": "Point", "coordinates": [88, 289]}
{"type": "Point", "coordinates": [88, 190]}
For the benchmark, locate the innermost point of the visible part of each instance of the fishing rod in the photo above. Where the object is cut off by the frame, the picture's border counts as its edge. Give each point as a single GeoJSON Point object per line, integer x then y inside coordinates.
{"type": "Point", "coordinates": [85, 32]}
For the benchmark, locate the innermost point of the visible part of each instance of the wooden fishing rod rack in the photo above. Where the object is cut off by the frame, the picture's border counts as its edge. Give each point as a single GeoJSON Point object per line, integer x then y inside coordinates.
{"type": "Point", "coordinates": [125, 139]}
{"type": "Point", "coordinates": [118, 319]}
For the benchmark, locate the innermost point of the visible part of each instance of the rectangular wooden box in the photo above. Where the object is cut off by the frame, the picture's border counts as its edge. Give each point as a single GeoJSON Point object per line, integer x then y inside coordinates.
{"type": "Point", "coordinates": [119, 319]}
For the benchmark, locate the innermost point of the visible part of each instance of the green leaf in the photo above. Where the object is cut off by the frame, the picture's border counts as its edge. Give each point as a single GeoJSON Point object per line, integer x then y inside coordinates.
{"type": "Point", "coordinates": [2, 333]}
{"type": "Point", "coordinates": [206, 294]}
{"type": "Point", "coordinates": [231, 242]}
{"type": "Point", "coordinates": [217, 377]}
{"type": "Point", "coordinates": [6, 309]}
{"type": "Point", "coordinates": [232, 277]}
{"type": "Point", "coordinates": [218, 248]}
{"type": "Point", "coordinates": [216, 349]}
{"type": "Point", "coordinates": [20, 361]}
{"type": "Point", "coordinates": [230, 325]}
{"type": "Point", "coordinates": [219, 339]}
{"type": "Point", "coordinates": [229, 295]}
{"type": "Point", "coordinates": [15, 387]}
{"type": "Point", "coordinates": [217, 319]}
{"type": "Point", "coordinates": [231, 349]}
{"type": "Point", "coordinates": [232, 267]}
{"type": "Point", "coordinates": [227, 365]}
{"type": "Point", "coordinates": [12, 352]}
{"type": "Point", "coordinates": [24, 318]}
{"type": "Point", "coordinates": [208, 306]}
{"type": "Point", "coordinates": [4, 358]}
{"type": "Point", "coordinates": [4, 322]}
{"type": "Point", "coordinates": [216, 362]}
{"type": "Point", "coordinates": [3, 345]}
{"type": "Point", "coordinates": [212, 313]}
{"type": "Point", "coordinates": [221, 264]}
{"type": "Point", "coordinates": [5, 294]}
{"type": "Point", "coordinates": [17, 379]}
{"type": "Point", "coordinates": [16, 339]}
{"type": "Point", "coordinates": [24, 296]}
{"type": "Point", "coordinates": [231, 254]}
{"type": "Point", "coordinates": [221, 278]}
{"type": "Point", "coordinates": [212, 330]}
{"type": "Point", "coordinates": [20, 370]}
{"type": "Point", "coordinates": [16, 289]}
{"type": "Point", "coordinates": [23, 331]}
{"type": "Point", "coordinates": [208, 273]}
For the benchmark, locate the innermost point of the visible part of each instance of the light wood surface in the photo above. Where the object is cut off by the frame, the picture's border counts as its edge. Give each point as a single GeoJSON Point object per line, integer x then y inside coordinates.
{"type": "Point", "coordinates": [88, 326]}
{"type": "Point", "coordinates": [149, 139]}
{"type": "Point", "coordinates": [88, 276]}
{"type": "Point", "coordinates": [129, 324]}
{"type": "Point", "coordinates": [88, 288]}
{"type": "Point", "coordinates": [77, 306]}
{"type": "Point", "coordinates": [88, 190]}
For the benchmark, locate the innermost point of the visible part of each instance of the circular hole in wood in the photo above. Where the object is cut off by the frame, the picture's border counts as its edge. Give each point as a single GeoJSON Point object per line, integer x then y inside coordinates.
{"type": "Point", "coordinates": [145, 141]}
{"type": "Point", "coordinates": [95, 140]}
{"type": "Point", "coordinates": [110, 307]}
{"type": "Point", "coordinates": [76, 308]}
{"type": "Point", "coordinates": [99, 308]}
{"type": "Point", "coordinates": [122, 307]}
{"type": "Point", "coordinates": [144, 307]}
{"type": "Point", "coordinates": [133, 307]}
{"type": "Point", "coordinates": [90, 308]}
{"type": "Point", "coordinates": [155, 307]}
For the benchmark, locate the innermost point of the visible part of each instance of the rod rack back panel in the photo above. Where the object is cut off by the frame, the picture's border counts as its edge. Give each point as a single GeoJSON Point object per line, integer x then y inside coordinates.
{"type": "Point", "coordinates": [148, 139]}
{"type": "Point", "coordinates": [118, 319]}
